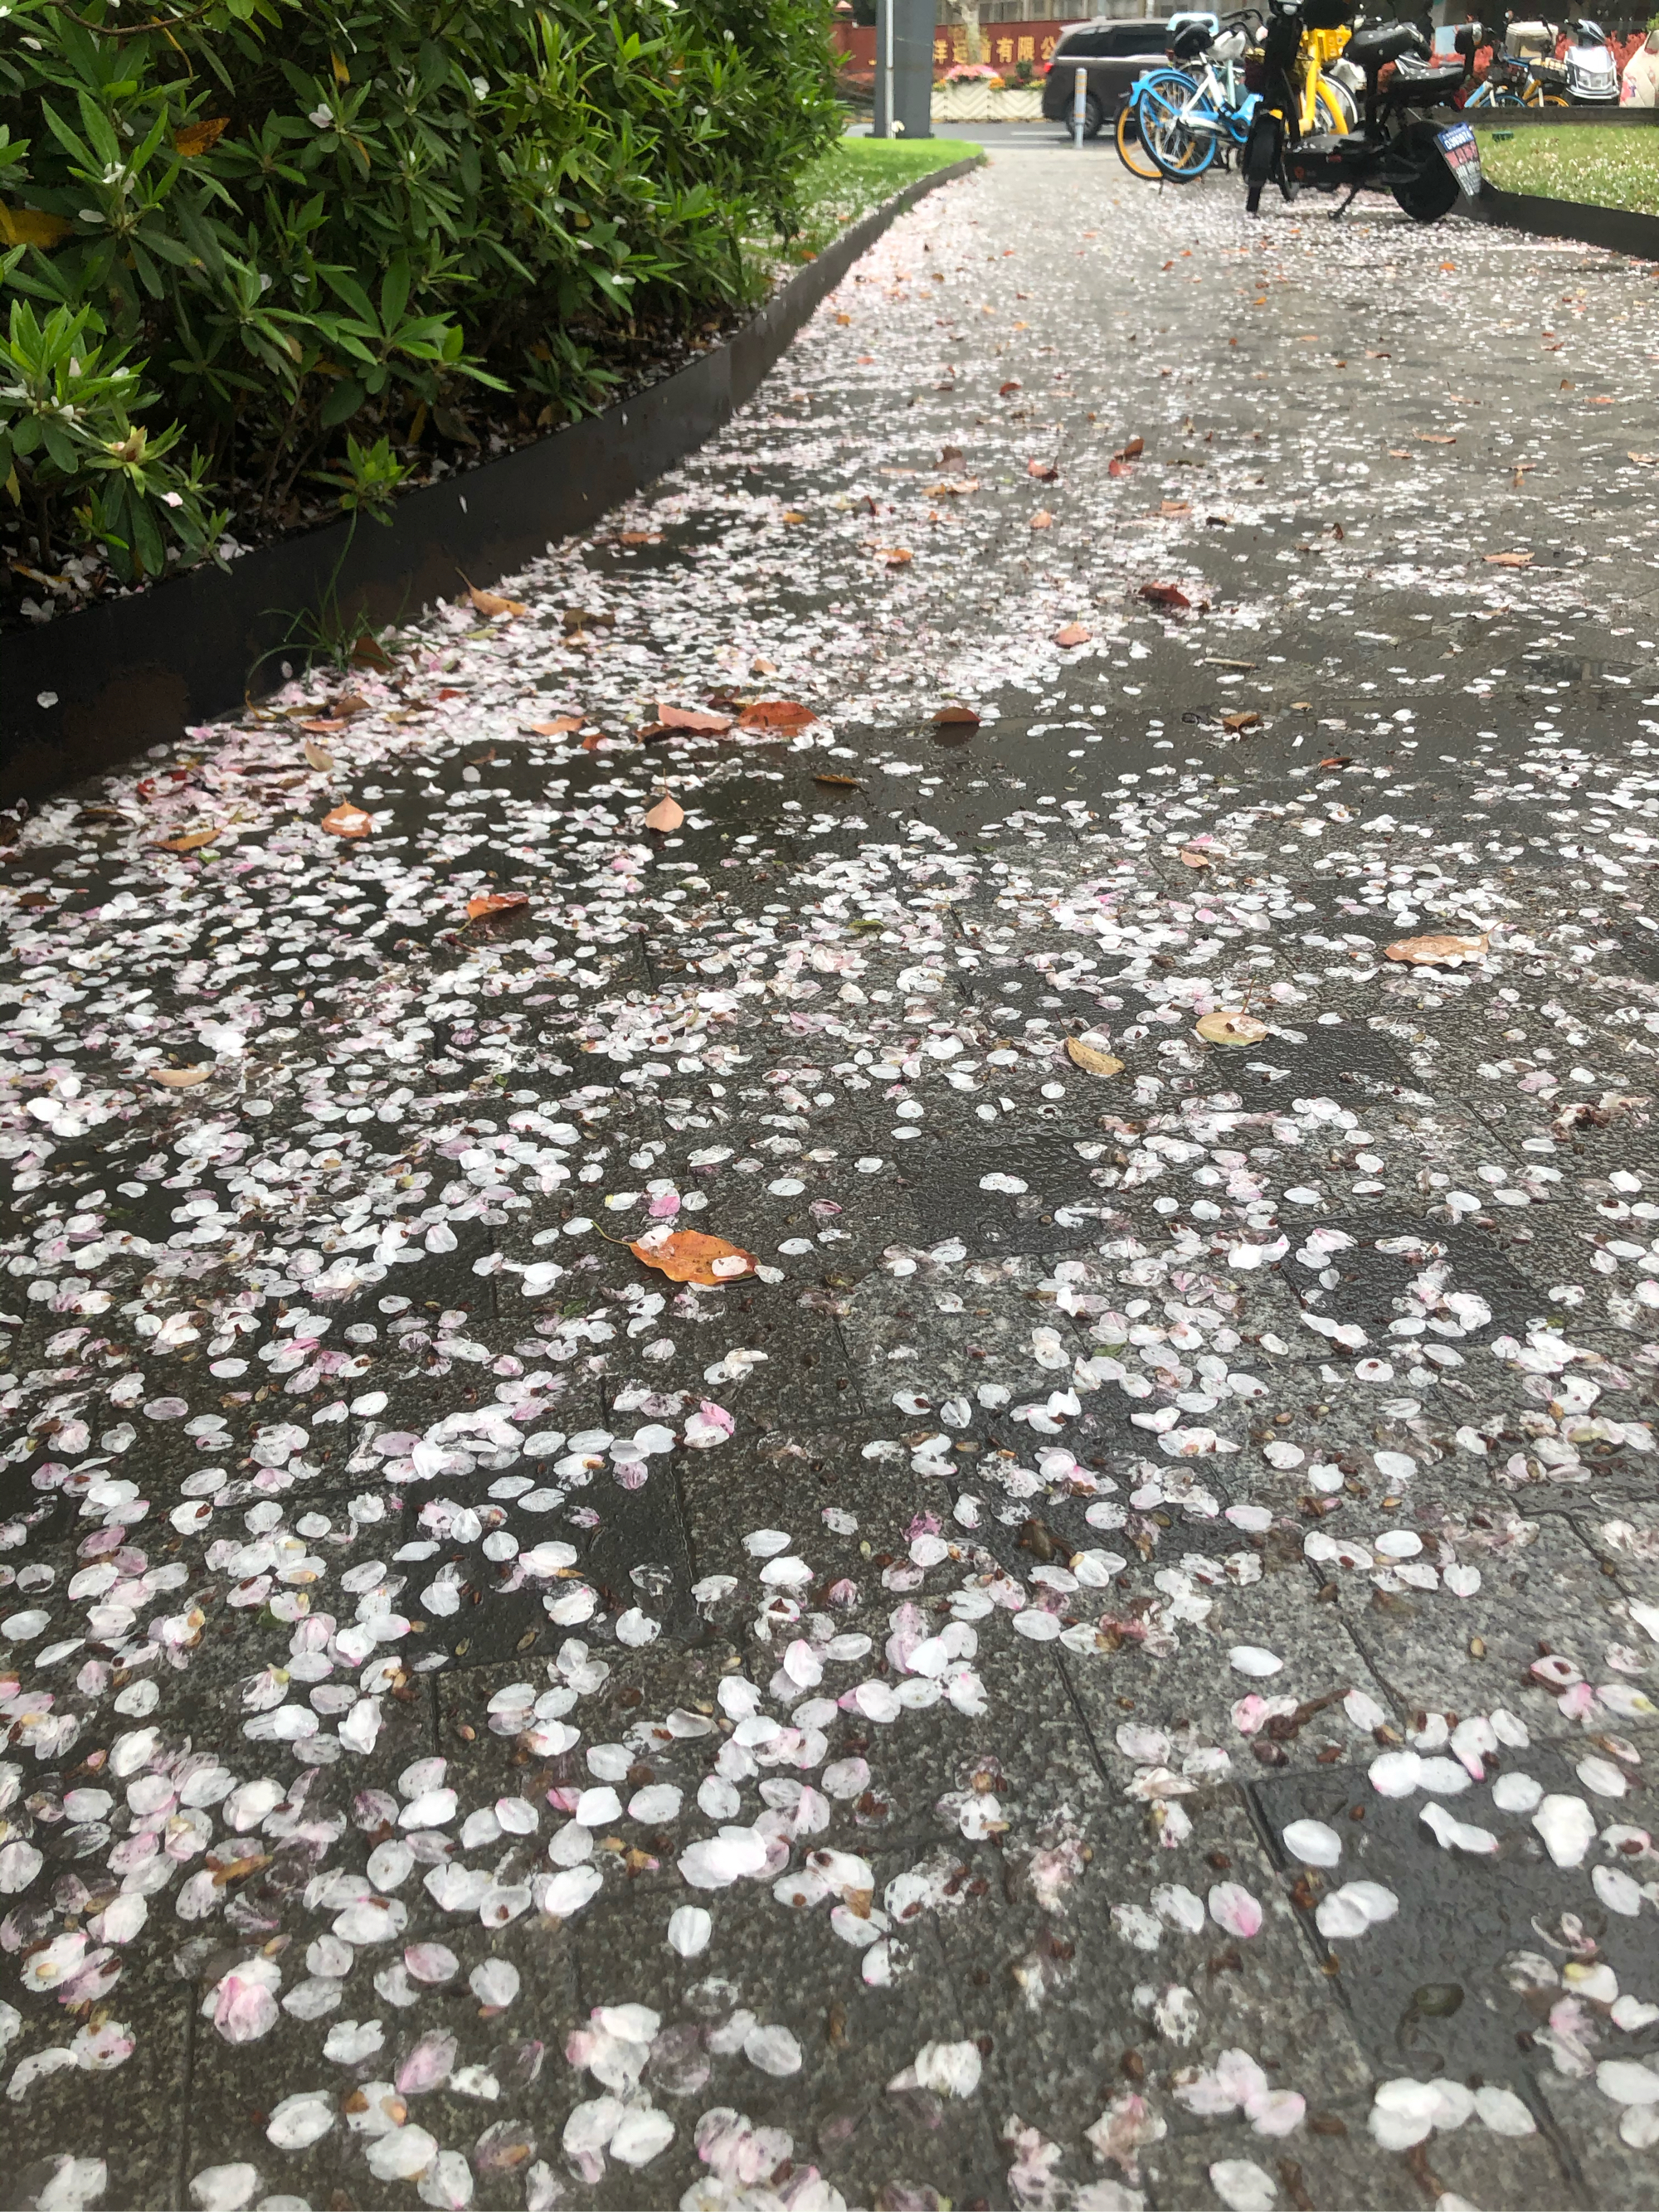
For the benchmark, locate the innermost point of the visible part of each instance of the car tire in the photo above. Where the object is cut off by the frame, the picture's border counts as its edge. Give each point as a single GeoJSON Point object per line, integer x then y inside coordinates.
{"type": "Point", "coordinates": [1094, 117]}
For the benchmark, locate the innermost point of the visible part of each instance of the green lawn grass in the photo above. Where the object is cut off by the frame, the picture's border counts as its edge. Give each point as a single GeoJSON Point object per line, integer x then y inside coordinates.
{"type": "Point", "coordinates": [855, 176]}
{"type": "Point", "coordinates": [1598, 166]}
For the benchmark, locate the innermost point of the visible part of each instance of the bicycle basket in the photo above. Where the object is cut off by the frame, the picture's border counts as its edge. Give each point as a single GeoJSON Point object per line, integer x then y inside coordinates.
{"type": "Point", "coordinates": [1256, 71]}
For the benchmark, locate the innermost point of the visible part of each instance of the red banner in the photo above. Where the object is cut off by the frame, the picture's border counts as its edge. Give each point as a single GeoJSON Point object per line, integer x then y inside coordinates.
{"type": "Point", "coordinates": [1002, 45]}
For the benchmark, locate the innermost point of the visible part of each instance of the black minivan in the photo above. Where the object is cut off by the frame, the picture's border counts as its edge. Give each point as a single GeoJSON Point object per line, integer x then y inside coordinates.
{"type": "Point", "coordinates": [1114, 52]}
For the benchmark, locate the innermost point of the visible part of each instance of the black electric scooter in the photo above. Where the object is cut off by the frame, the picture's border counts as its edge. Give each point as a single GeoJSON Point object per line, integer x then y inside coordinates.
{"type": "Point", "coordinates": [1395, 149]}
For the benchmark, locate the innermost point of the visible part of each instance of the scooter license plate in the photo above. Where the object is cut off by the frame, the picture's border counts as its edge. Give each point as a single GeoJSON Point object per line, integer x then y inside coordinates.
{"type": "Point", "coordinates": [1462, 153]}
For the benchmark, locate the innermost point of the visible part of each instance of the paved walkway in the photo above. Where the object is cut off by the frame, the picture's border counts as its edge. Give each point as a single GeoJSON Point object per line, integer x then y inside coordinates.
{"type": "Point", "coordinates": [1108, 1661]}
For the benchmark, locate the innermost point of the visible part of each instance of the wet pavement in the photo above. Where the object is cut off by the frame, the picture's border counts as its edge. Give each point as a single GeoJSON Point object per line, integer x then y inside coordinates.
{"type": "Point", "coordinates": [1106, 1659]}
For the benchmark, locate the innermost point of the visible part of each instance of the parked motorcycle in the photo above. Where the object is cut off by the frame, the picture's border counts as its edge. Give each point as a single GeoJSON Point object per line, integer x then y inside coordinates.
{"type": "Point", "coordinates": [1396, 147]}
{"type": "Point", "coordinates": [1591, 64]}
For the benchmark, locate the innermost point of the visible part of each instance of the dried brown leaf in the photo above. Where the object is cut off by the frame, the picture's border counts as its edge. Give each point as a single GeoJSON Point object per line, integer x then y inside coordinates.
{"type": "Point", "coordinates": [1165, 595]}
{"type": "Point", "coordinates": [786, 714]}
{"type": "Point", "coordinates": [1245, 719]}
{"type": "Point", "coordinates": [1235, 1027]}
{"type": "Point", "coordinates": [489, 902]}
{"type": "Point", "coordinates": [1073, 634]}
{"type": "Point", "coordinates": [956, 716]}
{"type": "Point", "coordinates": [179, 1079]}
{"type": "Point", "coordinates": [491, 603]}
{"type": "Point", "coordinates": [192, 842]}
{"type": "Point", "coordinates": [1431, 951]}
{"type": "Point", "coordinates": [693, 718]}
{"type": "Point", "coordinates": [347, 820]}
{"type": "Point", "coordinates": [319, 757]}
{"type": "Point", "coordinates": [1091, 1057]}
{"type": "Point", "coordinates": [1508, 560]}
{"type": "Point", "coordinates": [667, 814]}
{"type": "Point", "coordinates": [197, 137]}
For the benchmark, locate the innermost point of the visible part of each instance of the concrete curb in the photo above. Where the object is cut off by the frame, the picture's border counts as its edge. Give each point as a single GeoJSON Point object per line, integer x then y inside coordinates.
{"type": "Point", "coordinates": [132, 672]}
{"type": "Point", "coordinates": [1618, 228]}
{"type": "Point", "coordinates": [1557, 118]}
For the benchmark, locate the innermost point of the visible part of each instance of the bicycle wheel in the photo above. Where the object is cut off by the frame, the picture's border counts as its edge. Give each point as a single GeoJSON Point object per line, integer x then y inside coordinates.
{"type": "Point", "coordinates": [1130, 151]}
{"type": "Point", "coordinates": [1332, 108]}
{"type": "Point", "coordinates": [1168, 111]}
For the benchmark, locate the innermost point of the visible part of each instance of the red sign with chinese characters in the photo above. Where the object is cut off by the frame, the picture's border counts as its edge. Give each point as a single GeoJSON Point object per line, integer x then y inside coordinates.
{"type": "Point", "coordinates": [1002, 45]}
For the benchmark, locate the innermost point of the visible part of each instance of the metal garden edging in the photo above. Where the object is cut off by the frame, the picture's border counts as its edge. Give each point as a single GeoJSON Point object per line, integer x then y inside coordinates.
{"type": "Point", "coordinates": [125, 673]}
{"type": "Point", "coordinates": [1618, 228]}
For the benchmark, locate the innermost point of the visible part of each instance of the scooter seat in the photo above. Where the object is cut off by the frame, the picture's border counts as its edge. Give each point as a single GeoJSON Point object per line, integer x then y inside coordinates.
{"type": "Point", "coordinates": [1378, 43]}
{"type": "Point", "coordinates": [1429, 73]}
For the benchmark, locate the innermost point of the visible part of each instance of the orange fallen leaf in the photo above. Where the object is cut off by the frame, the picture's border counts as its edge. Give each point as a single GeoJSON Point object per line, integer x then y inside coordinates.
{"type": "Point", "coordinates": [319, 757]}
{"type": "Point", "coordinates": [1337, 760]}
{"type": "Point", "coordinates": [694, 719]}
{"type": "Point", "coordinates": [956, 716]}
{"type": "Point", "coordinates": [1013, 384]}
{"type": "Point", "coordinates": [1073, 634]}
{"type": "Point", "coordinates": [667, 814]}
{"type": "Point", "coordinates": [179, 1079]}
{"type": "Point", "coordinates": [1508, 560]}
{"type": "Point", "coordinates": [840, 783]}
{"type": "Point", "coordinates": [348, 820]}
{"type": "Point", "coordinates": [192, 842]}
{"type": "Point", "coordinates": [489, 903]}
{"type": "Point", "coordinates": [1165, 595]}
{"type": "Point", "coordinates": [1232, 1028]}
{"type": "Point", "coordinates": [562, 726]}
{"type": "Point", "coordinates": [1646, 460]}
{"type": "Point", "coordinates": [1044, 471]}
{"type": "Point", "coordinates": [688, 1256]}
{"type": "Point", "coordinates": [897, 557]}
{"type": "Point", "coordinates": [1091, 1057]}
{"type": "Point", "coordinates": [1246, 718]}
{"type": "Point", "coordinates": [1433, 438]}
{"type": "Point", "coordinates": [1431, 951]}
{"type": "Point", "coordinates": [1042, 519]}
{"type": "Point", "coordinates": [953, 488]}
{"type": "Point", "coordinates": [1116, 468]}
{"type": "Point", "coordinates": [490, 604]}
{"type": "Point", "coordinates": [639, 537]}
{"type": "Point", "coordinates": [233, 1869]}
{"type": "Point", "coordinates": [197, 137]}
{"type": "Point", "coordinates": [31, 227]}
{"type": "Point", "coordinates": [775, 714]}
{"type": "Point", "coordinates": [1190, 857]}
{"type": "Point", "coordinates": [1132, 451]}
{"type": "Point", "coordinates": [1176, 507]}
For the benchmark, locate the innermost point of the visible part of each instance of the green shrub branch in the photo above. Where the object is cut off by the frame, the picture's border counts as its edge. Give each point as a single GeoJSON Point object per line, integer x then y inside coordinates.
{"type": "Point", "coordinates": [300, 239]}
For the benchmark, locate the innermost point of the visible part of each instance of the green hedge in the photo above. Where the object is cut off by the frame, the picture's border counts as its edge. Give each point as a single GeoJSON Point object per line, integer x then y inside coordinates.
{"type": "Point", "coordinates": [250, 248]}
